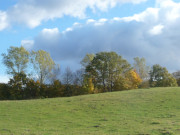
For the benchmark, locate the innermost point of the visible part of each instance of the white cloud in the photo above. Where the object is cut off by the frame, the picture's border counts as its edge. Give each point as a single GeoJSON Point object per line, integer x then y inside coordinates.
{"type": "Point", "coordinates": [76, 24]}
{"type": "Point", "coordinates": [50, 31]}
{"type": "Point", "coordinates": [165, 3]}
{"type": "Point", "coordinates": [100, 21]}
{"type": "Point", "coordinates": [33, 12]}
{"type": "Point", "coordinates": [149, 15]}
{"type": "Point", "coordinates": [156, 30]}
{"type": "Point", "coordinates": [170, 9]}
{"type": "Point", "coordinates": [3, 20]}
{"type": "Point", "coordinates": [49, 37]}
{"type": "Point", "coordinates": [90, 21]}
{"type": "Point", "coordinates": [130, 37]}
{"type": "Point", "coordinates": [116, 19]}
{"type": "Point", "coordinates": [97, 22]}
{"type": "Point", "coordinates": [28, 44]}
{"type": "Point", "coordinates": [68, 29]}
{"type": "Point", "coordinates": [50, 34]}
{"type": "Point", "coordinates": [165, 11]}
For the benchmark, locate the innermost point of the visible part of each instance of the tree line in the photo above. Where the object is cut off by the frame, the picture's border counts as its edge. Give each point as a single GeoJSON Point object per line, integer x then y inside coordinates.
{"type": "Point", "coordinates": [34, 74]}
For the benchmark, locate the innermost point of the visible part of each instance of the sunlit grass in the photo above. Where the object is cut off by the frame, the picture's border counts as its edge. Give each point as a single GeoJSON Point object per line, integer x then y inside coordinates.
{"type": "Point", "coordinates": [135, 112]}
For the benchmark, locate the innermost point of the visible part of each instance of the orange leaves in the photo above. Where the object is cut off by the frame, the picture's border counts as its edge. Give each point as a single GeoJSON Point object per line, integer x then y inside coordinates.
{"type": "Point", "coordinates": [133, 79]}
{"type": "Point", "coordinates": [130, 80]}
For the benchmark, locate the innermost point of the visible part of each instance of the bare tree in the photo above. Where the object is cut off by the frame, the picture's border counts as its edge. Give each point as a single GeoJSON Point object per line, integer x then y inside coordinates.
{"type": "Point", "coordinates": [79, 77]}
{"type": "Point", "coordinates": [55, 73]}
{"type": "Point", "coordinates": [68, 80]}
{"type": "Point", "coordinates": [68, 76]}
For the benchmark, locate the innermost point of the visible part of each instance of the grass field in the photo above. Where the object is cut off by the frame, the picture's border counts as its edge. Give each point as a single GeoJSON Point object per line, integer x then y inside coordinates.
{"type": "Point", "coordinates": [153, 111]}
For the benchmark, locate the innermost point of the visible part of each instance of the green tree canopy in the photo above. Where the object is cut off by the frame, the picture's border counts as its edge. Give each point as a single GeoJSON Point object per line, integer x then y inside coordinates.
{"type": "Point", "coordinates": [176, 75]}
{"type": "Point", "coordinates": [87, 59]}
{"type": "Point", "coordinates": [17, 85]}
{"type": "Point", "coordinates": [105, 68]}
{"type": "Point", "coordinates": [16, 60]}
{"type": "Point", "coordinates": [159, 77]}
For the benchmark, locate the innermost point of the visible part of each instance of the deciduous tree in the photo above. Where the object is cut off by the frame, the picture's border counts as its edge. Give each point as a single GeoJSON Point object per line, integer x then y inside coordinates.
{"type": "Point", "coordinates": [141, 68]}
{"type": "Point", "coordinates": [87, 60]}
{"type": "Point", "coordinates": [130, 80]}
{"type": "Point", "coordinates": [176, 75]}
{"type": "Point", "coordinates": [68, 81]}
{"type": "Point", "coordinates": [16, 60]}
{"type": "Point", "coordinates": [43, 65]}
{"type": "Point", "coordinates": [18, 85]}
{"type": "Point", "coordinates": [159, 77]}
{"type": "Point", "coordinates": [105, 68]}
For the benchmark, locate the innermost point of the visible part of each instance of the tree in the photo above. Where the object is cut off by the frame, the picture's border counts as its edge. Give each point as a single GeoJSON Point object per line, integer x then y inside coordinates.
{"type": "Point", "coordinates": [87, 76]}
{"type": "Point", "coordinates": [105, 68]}
{"type": "Point", "coordinates": [16, 60]}
{"type": "Point", "coordinates": [79, 77]}
{"type": "Point", "coordinates": [4, 91]}
{"type": "Point", "coordinates": [55, 73]}
{"type": "Point", "coordinates": [159, 77]}
{"type": "Point", "coordinates": [32, 89]}
{"type": "Point", "coordinates": [18, 85]}
{"type": "Point", "coordinates": [133, 79]}
{"type": "Point", "coordinates": [43, 65]}
{"type": "Point", "coordinates": [130, 80]}
{"type": "Point", "coordinates": [87, 60]}
{"type": "Point", "coordinates": [176, 75]}
{"type": "Point", "coordinates": [68, 80]}
{"type": "Point", "coordinates": [68, 76]}
{"type": "Point", "coordinates": [55, 89]}
{"type": "Point", "coordinates": [141, 68]}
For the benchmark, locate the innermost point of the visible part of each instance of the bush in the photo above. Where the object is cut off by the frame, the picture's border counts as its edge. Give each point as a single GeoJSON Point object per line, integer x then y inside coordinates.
{"type": "Point", "coordinates": [4, 91]}
{"type": "Point", "coordinates": [144, 84]}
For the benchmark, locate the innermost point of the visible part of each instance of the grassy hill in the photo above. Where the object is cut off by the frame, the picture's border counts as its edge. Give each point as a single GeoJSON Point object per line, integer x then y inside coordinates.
{"type": "Point", "coordinates": [153, 111]}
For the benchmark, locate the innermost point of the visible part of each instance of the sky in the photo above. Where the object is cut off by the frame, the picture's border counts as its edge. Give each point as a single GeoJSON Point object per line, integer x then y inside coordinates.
{"type": "Point", "coordinates": [69, 29]}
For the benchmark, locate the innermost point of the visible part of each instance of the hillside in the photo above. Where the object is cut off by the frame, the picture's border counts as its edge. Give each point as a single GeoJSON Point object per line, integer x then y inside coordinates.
{"type": "Point", "coordinates": [135, 112]}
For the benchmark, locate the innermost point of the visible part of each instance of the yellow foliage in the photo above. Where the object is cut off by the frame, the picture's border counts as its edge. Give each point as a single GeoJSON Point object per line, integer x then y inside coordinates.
{"type": "Point", "coordinates": [90, 85]}
{"type": "Point", "coordinates": [130, 80]}
{"type": "Point", "coordinates": [133, 79]}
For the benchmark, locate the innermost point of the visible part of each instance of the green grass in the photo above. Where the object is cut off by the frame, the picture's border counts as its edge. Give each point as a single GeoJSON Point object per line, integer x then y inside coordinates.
{"type": "Point", "coordinates": [153, 111]}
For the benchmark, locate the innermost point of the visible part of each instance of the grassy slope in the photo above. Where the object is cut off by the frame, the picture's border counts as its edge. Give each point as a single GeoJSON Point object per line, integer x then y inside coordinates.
{"type": "Point", "coordinates": [136, 112]}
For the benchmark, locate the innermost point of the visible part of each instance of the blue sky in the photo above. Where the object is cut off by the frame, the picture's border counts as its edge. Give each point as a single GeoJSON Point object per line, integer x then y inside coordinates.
{"type": "Point", "coordinates": [69, 30]}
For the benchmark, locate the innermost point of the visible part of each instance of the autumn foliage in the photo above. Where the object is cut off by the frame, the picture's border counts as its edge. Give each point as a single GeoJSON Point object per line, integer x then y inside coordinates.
{"type": "Point", "coordinates": [100, 72]}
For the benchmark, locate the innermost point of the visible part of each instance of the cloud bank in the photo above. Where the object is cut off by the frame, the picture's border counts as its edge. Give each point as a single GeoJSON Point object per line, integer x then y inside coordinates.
{"type": "Point", "coordinates": [33, 12]}
{"type": "Point", "coordinates": [152, 34]}
{"type": "Point", "coordinates": [3, 20]}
